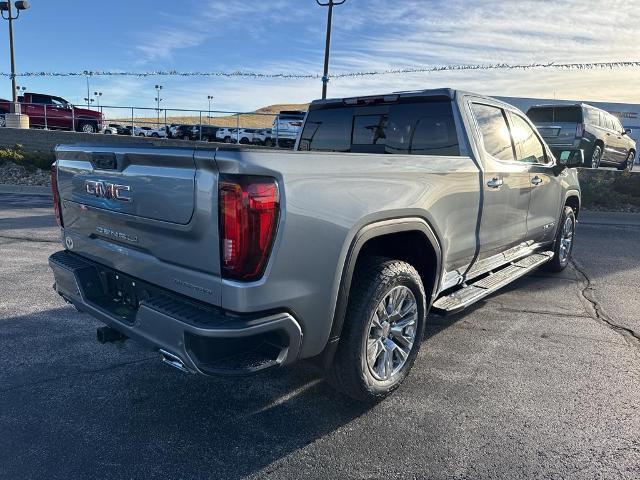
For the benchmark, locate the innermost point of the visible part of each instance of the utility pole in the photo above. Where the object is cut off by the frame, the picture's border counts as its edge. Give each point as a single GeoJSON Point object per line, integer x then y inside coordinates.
{"type": "Point", "coordinates": [327, 46]}
{"type": "Point", "coordinates": [6, 7]}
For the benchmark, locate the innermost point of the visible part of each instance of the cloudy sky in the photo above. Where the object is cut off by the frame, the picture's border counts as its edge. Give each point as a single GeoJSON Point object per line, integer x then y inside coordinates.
{"type": "Point", "coordinates": [288, 36]}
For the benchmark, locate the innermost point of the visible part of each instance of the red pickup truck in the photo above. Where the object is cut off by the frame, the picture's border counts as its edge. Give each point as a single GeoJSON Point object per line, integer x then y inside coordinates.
{"type": "Point", "coordinates": [48, 111]}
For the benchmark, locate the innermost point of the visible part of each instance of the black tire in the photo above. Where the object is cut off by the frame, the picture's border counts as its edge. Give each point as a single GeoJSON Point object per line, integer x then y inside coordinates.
{"type": "Point", "coordinates": [227, 139]}
{"type": "Point", "coordinates": [87, 127]}
{"type": "Point", "coordinates": [268, 142]}
{"type": "Point", "coordinates": [244, 141]}
{"type": "Point", "coordinates": [186, 137]}
{"type": "Point", "coordinates": [596, 157]}
{"type": "Point", "coordinates": [350, 372]}
{"type": "Point", "coordinates": [628, 163]}
{"type": "Point", "coordinates": [141, 135]}
{"type": "Point", "coordinates": [3, 121]}
{"type": "Point", "coordinates": [559, 262]}
{"type": "Point", "coordinates": [155, 135]}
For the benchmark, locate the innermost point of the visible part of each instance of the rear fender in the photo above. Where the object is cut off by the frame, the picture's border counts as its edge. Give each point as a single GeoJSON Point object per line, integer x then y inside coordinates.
{"type": "Point", "coordinates": [365, 234]}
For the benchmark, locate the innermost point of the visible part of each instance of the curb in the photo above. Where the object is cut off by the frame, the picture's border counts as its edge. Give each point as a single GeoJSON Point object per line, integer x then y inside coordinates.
{"type": "Point", "coordinates": [589, 217]}
{"type": "Point", "coordinates": [25, 190]}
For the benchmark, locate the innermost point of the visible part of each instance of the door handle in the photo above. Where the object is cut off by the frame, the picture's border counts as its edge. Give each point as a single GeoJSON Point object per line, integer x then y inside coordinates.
{"type": "Point", "coordinates": [536, 180]}
{"type": "Point", "coordinates": [495, 182]}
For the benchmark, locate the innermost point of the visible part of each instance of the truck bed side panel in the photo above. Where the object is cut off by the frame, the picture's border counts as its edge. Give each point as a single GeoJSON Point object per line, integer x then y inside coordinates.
{"type": "Point", "coordinates": [327, 199]}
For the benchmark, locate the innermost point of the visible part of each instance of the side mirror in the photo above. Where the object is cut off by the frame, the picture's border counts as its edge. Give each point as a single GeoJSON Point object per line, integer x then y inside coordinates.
{"type": "Point", "coordinates": [568, 158]}
{"type": "Point", "coordinates": [627, 131]}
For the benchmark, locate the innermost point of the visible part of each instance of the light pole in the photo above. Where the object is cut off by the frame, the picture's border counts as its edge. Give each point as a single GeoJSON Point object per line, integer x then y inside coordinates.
{"type": "Point", "coordinates": [327, 46]}
{"type": "Point", "coordinates": [6, 7]}
{"type": "Point", "coordinates": [89, 101]}
{"type": "Point", "coordinates": [158, 100]}
{"type": "Point", "coordinates": [209, 97]}
{"type": "Point", "coordinates": [20, 90]}
{"type": "Point", "coordinates": [87, 74]}
{"type": "Point", "coordinates": [98, 95]}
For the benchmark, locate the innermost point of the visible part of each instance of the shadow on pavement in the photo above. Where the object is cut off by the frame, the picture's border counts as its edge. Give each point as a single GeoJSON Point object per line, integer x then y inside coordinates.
{"type": "Point", "coordinates": [90, 413]}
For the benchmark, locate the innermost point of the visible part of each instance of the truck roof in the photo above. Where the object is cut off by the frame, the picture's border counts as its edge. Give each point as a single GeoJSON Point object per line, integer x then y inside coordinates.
{"type": "Point", "coordinates": [563, 105]}
{"type": "Point", "coordinates": [449, 93]}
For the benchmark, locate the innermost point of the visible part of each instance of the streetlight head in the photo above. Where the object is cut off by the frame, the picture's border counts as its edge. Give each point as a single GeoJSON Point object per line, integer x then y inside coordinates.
{"type": "Point", "coordinates": [22, 4]}
{"type": "Point", "coordinates": [4, 6]}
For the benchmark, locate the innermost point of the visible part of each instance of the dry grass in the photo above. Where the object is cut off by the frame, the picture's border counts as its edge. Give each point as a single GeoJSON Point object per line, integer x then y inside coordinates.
{"type": "Point", "coordinates": [247, 120]}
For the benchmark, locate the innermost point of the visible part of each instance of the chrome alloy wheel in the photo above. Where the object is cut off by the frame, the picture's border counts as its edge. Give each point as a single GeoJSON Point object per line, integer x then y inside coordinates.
{"type": "Point", "coordinates": [566, 239]}
{"type": "Point", "coordinates": [595, 157]}
{"type": "Point", "coordinates": [630, 160]}
{"type": "Point", "coordinates": [392, 332]}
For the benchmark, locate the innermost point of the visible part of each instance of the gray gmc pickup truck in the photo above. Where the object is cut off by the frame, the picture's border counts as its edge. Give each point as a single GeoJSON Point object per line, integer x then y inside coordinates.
{"type": "Point", "coordinates": [232, 260]}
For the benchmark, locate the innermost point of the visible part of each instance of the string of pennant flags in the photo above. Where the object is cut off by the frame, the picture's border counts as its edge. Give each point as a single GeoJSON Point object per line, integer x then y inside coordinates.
{"type": "Point", "coordinates": [302, 76]}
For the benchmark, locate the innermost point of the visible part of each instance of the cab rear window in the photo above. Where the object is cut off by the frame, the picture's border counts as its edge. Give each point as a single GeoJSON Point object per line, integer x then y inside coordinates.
{"type": "Point", "coordinates": [418, 128]}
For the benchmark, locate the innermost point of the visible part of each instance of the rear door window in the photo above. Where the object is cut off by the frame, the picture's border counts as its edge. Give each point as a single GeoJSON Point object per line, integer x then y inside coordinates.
{"type": "Point", "coordinates": [494, 130]}
{"type": "Point", "coordinates": [608, 122]}
{"type": "Point", "coordinates": [529, 148]}
{"type": "Point", "coordinates": [415, 128]}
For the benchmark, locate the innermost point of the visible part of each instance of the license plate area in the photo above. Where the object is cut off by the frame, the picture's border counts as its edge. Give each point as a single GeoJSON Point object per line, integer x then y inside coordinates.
{"type": "Point", "coordinates": [549, 131]}
{"type": "Point", "coordinates": [120, 295]}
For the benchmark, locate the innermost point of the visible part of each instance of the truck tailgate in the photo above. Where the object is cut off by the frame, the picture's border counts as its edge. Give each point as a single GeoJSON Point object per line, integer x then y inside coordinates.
{"type": "Point", "coordinates": [149, 212]}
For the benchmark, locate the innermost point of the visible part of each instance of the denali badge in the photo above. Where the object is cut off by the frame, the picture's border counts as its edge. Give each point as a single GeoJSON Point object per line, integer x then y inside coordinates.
{"type": "Point", "coordinates": [120, 235]}
{"type": "Point", "coordinates": [107, 190]}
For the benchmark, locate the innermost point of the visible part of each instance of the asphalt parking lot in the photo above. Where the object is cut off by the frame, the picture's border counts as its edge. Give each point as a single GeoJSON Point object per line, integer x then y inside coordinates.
{"type": "Point", "coordinates": [539, 381]}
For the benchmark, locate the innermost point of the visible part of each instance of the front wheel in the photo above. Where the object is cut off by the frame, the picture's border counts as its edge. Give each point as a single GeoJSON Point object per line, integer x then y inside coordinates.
{"type": "Point", "coordinates": [596, 156]}
{"type": "Point", "coordinates": [628, 163]}
{"type": "Point", "coordinates": [3, 121]}
{"type": "Point", "coordinates": [384, 325]}
{"type": "Point", "coordinates": [563, 245]}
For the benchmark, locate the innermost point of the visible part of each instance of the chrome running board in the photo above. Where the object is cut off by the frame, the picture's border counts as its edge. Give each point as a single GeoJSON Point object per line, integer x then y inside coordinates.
{"type": "Point", "coordinates": [478, 289]}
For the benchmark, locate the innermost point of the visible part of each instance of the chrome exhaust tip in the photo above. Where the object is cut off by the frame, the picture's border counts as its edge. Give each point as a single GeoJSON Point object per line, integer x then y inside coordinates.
{"type": "Point", "coordinates": [174, 361]}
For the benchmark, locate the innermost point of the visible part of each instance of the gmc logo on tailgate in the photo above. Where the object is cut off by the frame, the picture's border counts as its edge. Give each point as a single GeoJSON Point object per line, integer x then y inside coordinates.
{"type": "Point", "coordinates": [110, 191]}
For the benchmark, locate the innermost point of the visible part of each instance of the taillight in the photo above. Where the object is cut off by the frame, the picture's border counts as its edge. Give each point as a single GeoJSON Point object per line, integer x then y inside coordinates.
{"type": "Point", "coordinates": [580, 130]}
{"type": "Point", "coordinates": [249, 208]}
{"type": "Point", "coordinates": [56, 195]}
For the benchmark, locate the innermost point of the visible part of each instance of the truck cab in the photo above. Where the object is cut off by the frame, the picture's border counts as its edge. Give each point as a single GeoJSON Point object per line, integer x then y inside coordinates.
{"type": "Point", "coordinates": [52, 112]}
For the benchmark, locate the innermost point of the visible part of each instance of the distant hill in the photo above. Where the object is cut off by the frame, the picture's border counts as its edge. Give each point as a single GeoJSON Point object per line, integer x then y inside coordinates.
{"type": "Point", "coordinates": [248, 120]}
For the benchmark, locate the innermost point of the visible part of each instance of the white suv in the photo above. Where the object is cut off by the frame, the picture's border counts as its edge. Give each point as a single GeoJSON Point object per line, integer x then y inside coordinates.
{"type": "Point", "coordinates": [286, 127]}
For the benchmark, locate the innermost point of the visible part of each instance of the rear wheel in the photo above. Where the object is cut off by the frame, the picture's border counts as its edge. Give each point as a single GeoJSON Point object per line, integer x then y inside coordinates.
{"type": "Point", "coordinates": [3, 121]}
{"type": "Point", "coordinates": [564, 241]}
{"type": "Point", "coordinates": [156, 135]}
{"type": "Point", "coordinates": [596, 156]}
{"type": "Point", "coordinates": [383, 328]}
{"type": "Point", "coordinates": [227, 139]}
